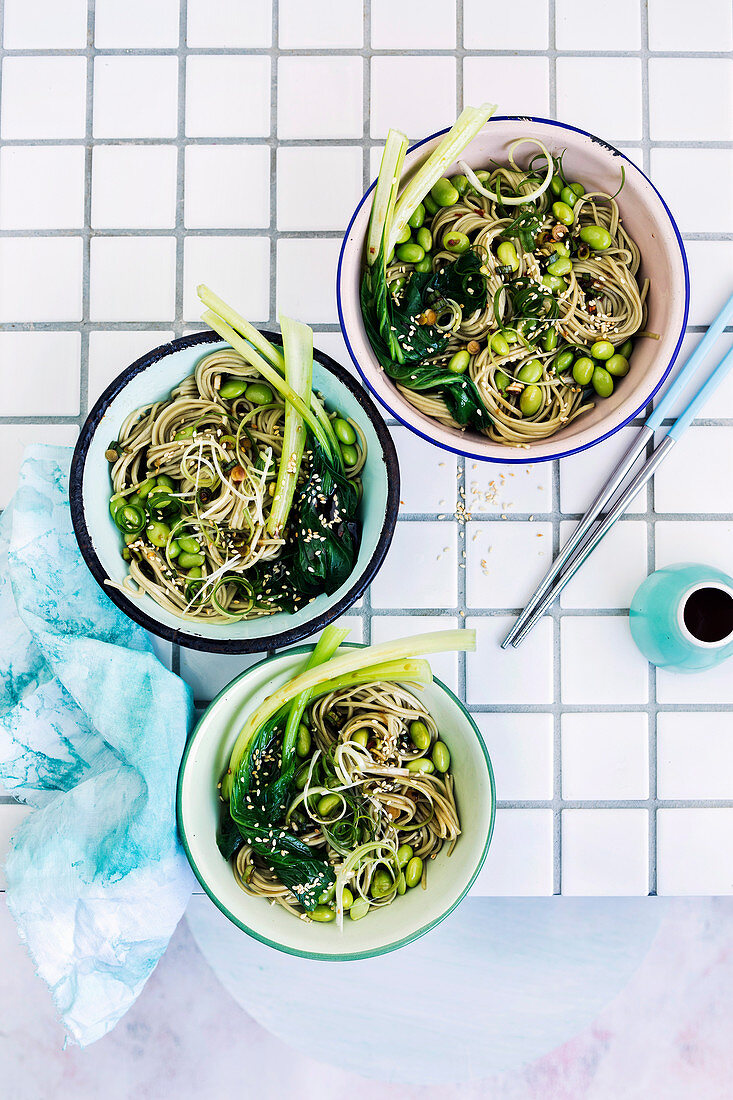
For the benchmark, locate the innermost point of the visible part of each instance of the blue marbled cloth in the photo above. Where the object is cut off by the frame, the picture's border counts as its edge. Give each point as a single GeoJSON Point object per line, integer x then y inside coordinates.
{"type": "Point", "coordinates": [92, 727]}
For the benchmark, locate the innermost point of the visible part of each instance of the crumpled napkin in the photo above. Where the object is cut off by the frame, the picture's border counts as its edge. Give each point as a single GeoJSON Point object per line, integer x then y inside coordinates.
{"type": "Point", "coordinates": [92, 728]}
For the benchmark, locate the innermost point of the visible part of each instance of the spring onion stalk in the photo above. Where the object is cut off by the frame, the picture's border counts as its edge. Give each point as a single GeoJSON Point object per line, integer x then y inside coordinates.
{"type": "Point", "coordinates": [323, 651]}
{"type": "Point", "coordinates": [273, 355]}
{"type": "Point", "coordinates": [403, 649]}
{"type": "Point", "coordinates": [509, 200]}
{"type": "Point", "coordinates": [298, 349]}
{"type": "Point", "coordinates": [461, 134]}
{"type": "Point", "coordinates": [385, 193]}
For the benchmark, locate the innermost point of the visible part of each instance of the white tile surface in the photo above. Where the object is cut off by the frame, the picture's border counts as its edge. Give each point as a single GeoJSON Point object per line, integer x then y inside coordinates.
{"type": "Point", "coordinates": [42, 187]}
{"type": "Point", "coordinates": [521, 751]}
{"type": "Point", "coordinates": [703, 688]}
{"type": "Point", "coordinates": [710, 541]}
{"type": "Point", "coordinates": [40, 278]}
{"type": "Point", "coordinates": [695, 477]}
{"type": "Point", "coordinates": [522, 24]}
{"type": "Point", "coordinates": [694, 755]}
{"type": "Point", "coordinates": [135, 97]}
{"type": "Point", "coordinates": [387, 627]}
{"type": "Point", "coordinates": [670, 168]}
{"type": "Point", "coordinates": [227, 96]}
{"type": "Point", "coordinates": [505, 562]}
{"type": "Point", "coordinates": [427, 474]}
{"type": "Point", "coordinates": [227, 186]}
{"type": "Point", "coordinates": [14, 438]}
{"type": "Point", "coordinates": [606, 101]}
{"type": "Point", "coordinates": [612, 573]}
{"type": "Point", "coordinates": [321, 24]}
{"type": "Point", "coordinates": [319, 97]}
{"type": "Point", "coordinates": [306, 279]}
{"type": "Point", "coordinates": [431, 579]}
{"type": "Point", "coordinates": [207, 674]}
{"type": "Point", "coordinates": [413, 25]}
{"type": "Point", "coordinates": [507, 490]}
{"type": "Point", "coordinates": [136, 23]}
{"type": "Point", "coordinates": [707, 291]}
{"type": "Point", "coordinates": [418, 115]}
{"type": "Point", "coordinates": [519, 862]}
{"type": "Point", "coordinates": [576, 31]}
{"type": "Point", "coordinates": [521, 676]}
{"type": "Point", "coordinates": [237, 268]}
{"type": "Point", "coordinates": [319, 187]}
{"type": "Point", "coordinates": [45, 24]}
{"type": "Point", "coordinates": [43, 97]}
{"type": "Point", "coordinates": [693, 851]}
{"type": "Point", "coordinates": [114, 296]}
{"type": "Point", "coordinates": [582, 475]}
{"type": "Point", "coordinates": [229, 24]}
{"type": "Point", "coordinates": [671, 28]}
{"type": "Point", "coordinates": [527, 75]}
{"type": "Point", "coordinates": [600, 663]}
{"type": "Point", "coordinates": [25, 357]}
{"type": "Point", "coordinates": [605, 757]}
{"type": "Point", "coordinates": [605, 852]}
{"type": "Point", "coordinates": [110, 352]}
{"type": "Point", "coordinates": [677, 116]}
{"type": "Point", "coordinates": [134, 186]}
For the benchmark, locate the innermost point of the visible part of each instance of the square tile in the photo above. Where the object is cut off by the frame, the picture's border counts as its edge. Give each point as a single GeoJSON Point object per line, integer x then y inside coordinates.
{"type": "Point", "coordinates": [333, 344]}
{"type": "Point", "coordinates": [136, 24]}
{"type": "Point", "coordinates": [135, 97]}
{"type": "Point", "coordinates": [40, 278]}
{"type": "Point", "coordinates": [229, 23]}
{"type": "Point", "coordinates": [674, 115]}
{"type": "Point", "coordinates": [45, 24]}
{"type": "Point", "coordinates": [431, 579]}
{"type": "Point", "coordinates": [42, 187]}
{"type": "Point", "coordinates": [693, 851]}
{"type": "Point", "coordinates": [520, 859]}
{"type": "Point", "coordinates": [605, 852]}
{"type": "Point", "coordinates": [237, 268]}
{"type": "Point", "coordinates": [306, 272]}
{"type": "Point", "coordinates": [603, 99]}
{"type": "Point", "coordinates": [600, 663]}
{"type": "Point", "coordinates": [14, 438]}
{"type": "Point", "coordinates": [694, 540]}
{"type": "Point", "coordinates": [43, 97]}
{"type": "Point", "coordinates": [704, 688]}
{"type": "Point", "coordinates": [708, 292]}
{"type": "Point", "coordinates": [134, 186]}
{"type": "Point", "coordinates": [694, 755]}
{"type": "Point", "coordinates": [132, 278]}
{"type": "Point", "coordinates": [227, 187]}
{"type": "Point", "coordinates": [385, 628]}
{"type": "Point", "coordinates": [671, 28]}
{"type": "Point", "coordinates": [523, 26]}
{"type": "Point", "coordinates": [575, 31]}
{"type": "Point", "coordinates": [670, 170]}
{"type": "Point", "coordinates": [321, 24]}
{"type": "Point", "coordinates": [605, 756]}
{"type": "Point", "coordinates": [112, 351]}
{"type": "Point", "coordinates": [612, 573]}
{"type": "Point", "coordinates": [302, 200]}
{"type": "Point", "coordinates": [417, 115]}
{"type": "Point", "coordinates": [427, 475]}
{"type": "Point", "coordinates": [678, 484]}
{"type": "Point", "coordinates": [496, 489]}
{"type": "Point", "coordinates": [414, 25]}
{"type": "Point", "coordinates": [493, 551]}
{"type": "Point", "coordinates": [47, 383]}
{"type": "Point", "coordinates": [521, 751]}
{"type": "Point", "coordinates": [521, 676]}
{"type": "Point", "coordinates": [227, 96]}
{"type": "Point", "coordinates": [319, 97]}
{"type": "Point", "coordinates": [582, 475]}
{"type": "Point", "coordinates": [209, 673]}
{"type": "Point", "coordinates": [528, 76]}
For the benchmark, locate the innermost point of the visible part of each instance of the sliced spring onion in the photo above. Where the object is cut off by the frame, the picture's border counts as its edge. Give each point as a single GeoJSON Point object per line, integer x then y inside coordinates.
{"type": "Point", "coordinates": [517, 200]}
{"type": "Point", "coordinates": [273, 355]}
{"type": "Point", "coordinates": [130, 519]}
{"type": "Point", "coordinates": [298, 348]}
{"type": "Point", "coordinates": [385, 193]}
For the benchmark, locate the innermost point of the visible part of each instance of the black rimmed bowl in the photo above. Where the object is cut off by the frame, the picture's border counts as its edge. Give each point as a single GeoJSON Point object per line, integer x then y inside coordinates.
{"type": "Point", "coordinates": [151, 378]}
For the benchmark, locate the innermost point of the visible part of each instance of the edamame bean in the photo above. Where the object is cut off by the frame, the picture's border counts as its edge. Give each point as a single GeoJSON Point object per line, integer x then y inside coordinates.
{"type": "Point", "coordinates": [596, 237]}
{"type": "Point", "coordinates": [530, 371]}
{"type": "Point", "coordinates": [188, 544]}
{"type": "Point", "coordinates": [530, 400]}
{"type": "Point", "coordinates": [350, 455]}
{"type": "Point", "coordinates": [420, 735]}
{"type": "Point", "coordinates": [405, 235]}
{"type": "Point", "coordinates": [410, 253]}
{"type": "Point", "coordinates": [563, 361]}
{"type": "Point", "coordinates": [303, 740]}
{"type": "Point", "coordinates": [421, 766]}
{"type": "Point", "coordinates": [188, 561]}
{"type": "Point", "coordinates": [344, 431]}
{"type": "Point", "coordinates": [556, 186]}
{"type": "Point", "coordinates": [554, 282]}
{"type": "Point", "coordinates": [185, 433]}
{"type": "Point", "coordinates": [499, 344]}
{"type": "Point", "coordinates": [563, 213]}
{"type": "Point", "coordinates": [506, 254]}
{"type": "Point", "coordinates": [577, 188]}
{"type": "Point", "coordinates": [417, 217]}
{"type": "Point", "coordinates": [441, 756]}
{"type": "Point", "coordinates": [413, 872]}
{"type": "Point", "coordinates": [327, 895]}
{"type": "Point", "coordinates": [483, 176]}
{"type": "Point", "coordinates": [460, 183]}
{"type": "Point", "coordinates": [361, 737]}
{"type": "Point", "coordinates": [144, 490]}
{"type": "Point", "coordinates": [404, 854]}
{"type": "Point", "coordinates": [425, 239]}
{"type": "Point", "coordinates": [560, 266]}
{"type": "Point", "coordinates": [560, 248]}
{"type": "Point", "coordinates": [602, 382]}
{"type": "Point", "coordinates": [458, 363]}
{"type": "Point", "coordinates": [232, 389]}
{"type": "Point", "coordinates": [602, 349]}
{"type": "Point", "coordinates": [618, 366]}
{"type": "Point", "coordinates": [158, 533]}
{"type": "Point", "coordinates": [401, 884]}
{"type": "Point", "coordinates": [456, 242]}
{"type": "Point", "coordinates": [444, 193]}
{"type": "Point", "coordinates": [135, 499]}
{"type": "Point", "coordinates": [322, 914]}
{"type": "Point", "coordinates": [549, 340]}
{"type": "Point", "coordinates": [626, 349]}
{"type": "Point", "coordinates": [194, 574]}
{"type": "Point", "coordinates": [347, 899]}
{"type": "Point", "coordinates": [583, 370]}
{"type": "Point", "coordinates": [258, 394]}
{"type": "Point", "coordinates": [431, 205]}
{"type": "Point", "coordinates": [359, 909]}
{"type": "Point", "coordinates": [173, 549]}
{"type": "Point", "coordinates": [382, 884]}
{"type": "Point", "coordinates": [424, 266]}
{"type": "Point", "coordinates": [301, 776]}
{"type": "Point", "coordinates": [327, 804]}
{"type": "Point", "coordinates": [568, 196]}
{"type": "Point", "coordinates": [501, 381]}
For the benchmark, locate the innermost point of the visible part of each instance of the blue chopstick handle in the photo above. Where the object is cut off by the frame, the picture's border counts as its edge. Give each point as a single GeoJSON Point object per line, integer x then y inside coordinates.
{"type": "Point", "coordinates": [673, 391]}
{"type": "Point", "coordinates": [683, 420]}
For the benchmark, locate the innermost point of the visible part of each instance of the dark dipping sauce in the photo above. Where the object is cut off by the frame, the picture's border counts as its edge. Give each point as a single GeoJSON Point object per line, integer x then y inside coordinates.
{"type": "Point", "coordinates": [708, 614]}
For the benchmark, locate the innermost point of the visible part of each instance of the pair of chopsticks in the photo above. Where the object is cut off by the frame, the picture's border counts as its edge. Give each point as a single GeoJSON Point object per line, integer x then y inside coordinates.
{"type": "Point", "coordinates": [588, 532]}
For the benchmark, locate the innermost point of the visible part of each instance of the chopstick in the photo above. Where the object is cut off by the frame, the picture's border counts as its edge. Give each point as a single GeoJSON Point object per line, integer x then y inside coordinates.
{"type": "Point", "coordinates": [583, 539]}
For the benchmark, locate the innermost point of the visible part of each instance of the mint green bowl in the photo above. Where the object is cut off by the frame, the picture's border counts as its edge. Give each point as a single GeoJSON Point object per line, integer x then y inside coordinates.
{"type": "Point", "coordinates": [449, 877]}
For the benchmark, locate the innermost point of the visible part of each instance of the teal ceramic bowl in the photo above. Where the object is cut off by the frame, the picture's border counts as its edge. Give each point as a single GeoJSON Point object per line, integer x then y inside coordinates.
{"type": "Point", "coordinates": [449, 877]}
{"type": "Point", "coordinates": [151, 378]}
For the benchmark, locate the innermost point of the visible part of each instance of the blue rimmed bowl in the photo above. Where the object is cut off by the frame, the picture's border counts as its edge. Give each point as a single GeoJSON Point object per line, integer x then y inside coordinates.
{"type": "Point", "coordinates": [647, 219]}
{"type": "Point", "coordinates": [409, 917]}
{"type": "Point", "coordinates": [151, 378]}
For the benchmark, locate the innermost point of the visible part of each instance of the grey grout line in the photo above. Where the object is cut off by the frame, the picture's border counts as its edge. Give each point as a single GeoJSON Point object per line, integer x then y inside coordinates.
{"type": "Point", "coordinates": [366, 606]}
{"type": "Point", "coordinates": [355, 51]}
{"type": "Point", "coordinates": [273, 234]}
